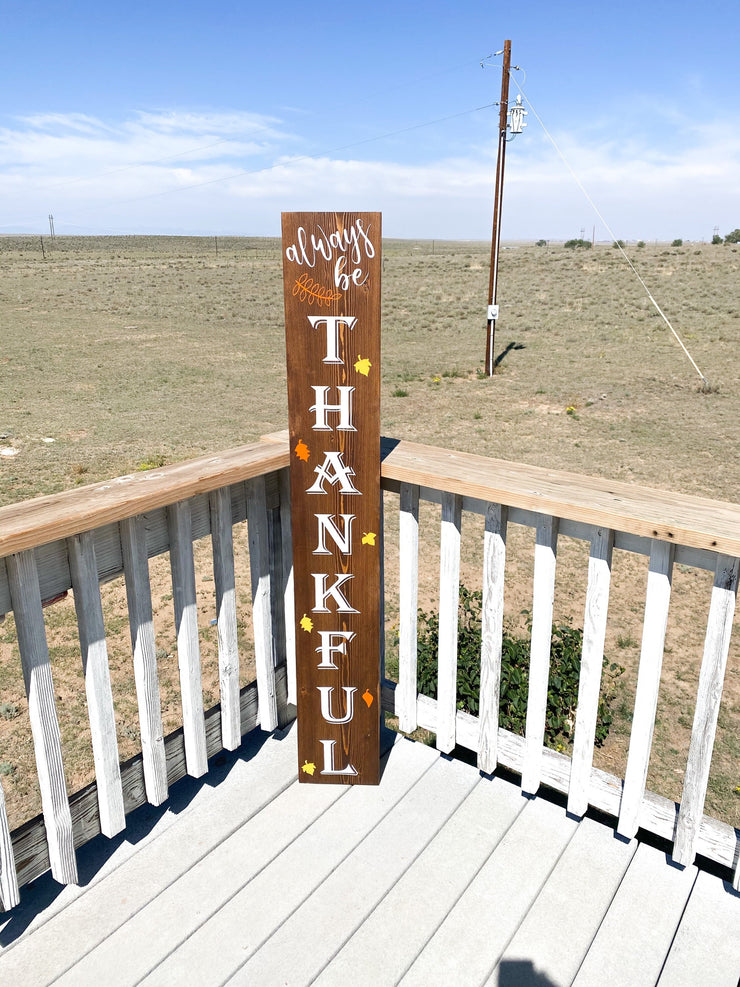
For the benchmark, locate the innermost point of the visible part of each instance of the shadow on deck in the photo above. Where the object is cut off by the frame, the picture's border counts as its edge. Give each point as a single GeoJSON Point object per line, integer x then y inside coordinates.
{"type": "Point", "coordinates": [440, 875]}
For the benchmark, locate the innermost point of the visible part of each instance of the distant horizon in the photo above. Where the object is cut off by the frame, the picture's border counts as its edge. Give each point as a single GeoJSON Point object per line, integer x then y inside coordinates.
{"type": "Point", "coordinates": [162, 120]}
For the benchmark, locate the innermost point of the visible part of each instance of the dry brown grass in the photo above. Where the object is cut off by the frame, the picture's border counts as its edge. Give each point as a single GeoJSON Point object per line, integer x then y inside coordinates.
{"type": "Point", "coordinates": [136, 351]}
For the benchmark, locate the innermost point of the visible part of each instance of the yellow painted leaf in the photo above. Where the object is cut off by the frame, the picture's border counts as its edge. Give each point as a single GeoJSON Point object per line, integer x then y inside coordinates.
{"type": "Point", "coordinates": [363, 365]}
{"type": "Point", "coordinates": [368, 537]}
{"type": "Point", "coordinates": [309, 767]}
{"type": "Point", "coordinates": [306, 623]}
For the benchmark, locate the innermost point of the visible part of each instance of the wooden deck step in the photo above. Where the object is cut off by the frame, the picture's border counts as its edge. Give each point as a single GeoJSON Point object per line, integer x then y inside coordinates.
{"type": "Point", "coordinates": [479, 927]}
{"type": "Point", "coordinates": [439, 876]}
{"type": "Point", "coordinates": [576, 896]}
{"type": "Point", "coordinates": [706, 947]}
{"type": "Point", "coordinates": [157, 848]}
{"type": "Point", "coordinates": [631, 944]}
{"type": "Point", "coordinates": [330, 916]}
{"type": "Point", "coordinates": [226, 938]}
{"type": "Point", "coordinates": [418, 903]}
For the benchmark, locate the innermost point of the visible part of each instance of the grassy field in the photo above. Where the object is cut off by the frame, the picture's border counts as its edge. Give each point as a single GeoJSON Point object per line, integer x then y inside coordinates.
{"type": "Point", "coordinates": [121, 353]}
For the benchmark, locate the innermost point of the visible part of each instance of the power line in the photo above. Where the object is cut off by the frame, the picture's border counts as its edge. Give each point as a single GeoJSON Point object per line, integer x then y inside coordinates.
{"type": "Point", "coordinates": [595, 208]}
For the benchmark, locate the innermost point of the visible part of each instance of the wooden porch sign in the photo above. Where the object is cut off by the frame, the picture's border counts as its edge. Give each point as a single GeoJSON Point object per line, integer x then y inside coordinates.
{"type": "Point", "coordinates": [331, 281]}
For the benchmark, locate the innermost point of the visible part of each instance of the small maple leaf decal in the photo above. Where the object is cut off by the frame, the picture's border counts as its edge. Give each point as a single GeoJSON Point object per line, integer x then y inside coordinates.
{"type": "Point", "coordinates": [309, 767]}
{"type": "Point", "coordinates": [368, 537]}
{"type": "Point", "coordinates": [363, 365]}
{"type": "Point", "coordinates": [302, 451]}
{"type": "Point", "coordinates": [306, 623]}
{"type": "Point", "coordinates": [368, 697]}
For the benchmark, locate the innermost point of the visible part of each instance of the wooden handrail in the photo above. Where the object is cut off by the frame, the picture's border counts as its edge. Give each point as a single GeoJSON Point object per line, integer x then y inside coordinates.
{"type": "Point", "coordinates": [46, 519]}
{"type": "Point", "coordinates": [697, 522]}
{"type": "Point", "coordinates": [681, 519]}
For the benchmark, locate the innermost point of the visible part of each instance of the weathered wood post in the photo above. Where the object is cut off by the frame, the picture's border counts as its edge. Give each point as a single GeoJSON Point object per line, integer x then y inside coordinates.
{"type": "Point", "coordinates": [331, 280]}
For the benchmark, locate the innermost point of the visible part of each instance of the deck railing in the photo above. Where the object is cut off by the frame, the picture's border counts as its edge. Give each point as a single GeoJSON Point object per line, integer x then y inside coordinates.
{"type": "Point", "coordinates": [82, 538]}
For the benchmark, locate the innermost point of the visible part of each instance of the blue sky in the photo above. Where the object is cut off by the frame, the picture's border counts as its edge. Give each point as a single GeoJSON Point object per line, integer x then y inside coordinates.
{"type": "Point", "coordinates": [164, 117]}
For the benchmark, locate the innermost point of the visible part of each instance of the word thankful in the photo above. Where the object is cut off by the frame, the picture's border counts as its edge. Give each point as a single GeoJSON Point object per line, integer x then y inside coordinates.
{"type": "Point", "coordinates": [333, 410]}
{"type": "Point", "coordinates": [351, 243]}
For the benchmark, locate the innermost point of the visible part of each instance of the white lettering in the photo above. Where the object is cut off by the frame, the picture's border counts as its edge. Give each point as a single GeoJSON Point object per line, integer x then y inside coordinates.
{"type": "Point", "coordinates": [344, 409]}
{"type": "Point", "coordinates": [333, 470]}
{"type": "Point", "coordinates": [322, 593]}
{"type": "Point", "coordinates": [329, 768]}
{"type": "Point", "coordinates": [327, 526]}
{"type": "Point", "coordinates": [329, 648]}
{"type": "Point", "coordinates": [332, 322]}
{"type": "Point", "coordinates": [326, 691]}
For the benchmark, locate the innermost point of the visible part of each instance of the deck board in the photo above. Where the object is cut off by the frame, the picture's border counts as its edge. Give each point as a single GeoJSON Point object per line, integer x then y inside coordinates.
{"type": "Point", "coordinates": [438, 876]}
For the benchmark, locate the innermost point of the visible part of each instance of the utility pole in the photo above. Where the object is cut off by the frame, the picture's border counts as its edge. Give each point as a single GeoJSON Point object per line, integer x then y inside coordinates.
{"type": "Point", "coordinates": [498, 194]}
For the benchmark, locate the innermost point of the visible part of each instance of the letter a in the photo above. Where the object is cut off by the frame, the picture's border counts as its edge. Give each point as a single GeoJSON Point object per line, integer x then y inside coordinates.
{"type": "Point", "coordinates": [333, 470]}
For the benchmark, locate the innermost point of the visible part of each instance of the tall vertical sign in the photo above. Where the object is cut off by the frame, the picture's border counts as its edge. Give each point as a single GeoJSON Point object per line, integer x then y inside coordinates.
{"type": "Point", "coordinates": [331, 281]}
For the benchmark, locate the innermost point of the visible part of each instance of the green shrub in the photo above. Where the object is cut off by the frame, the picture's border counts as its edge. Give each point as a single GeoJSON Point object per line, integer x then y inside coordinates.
{"type": "Point", "coordinates": [565, 664]}
{"type": "Point", "coordinates": [733, 237]}
{"type": "Point", "coordinates": [575, 244]}
{"type": "Point", "coordinates": [678, 242]}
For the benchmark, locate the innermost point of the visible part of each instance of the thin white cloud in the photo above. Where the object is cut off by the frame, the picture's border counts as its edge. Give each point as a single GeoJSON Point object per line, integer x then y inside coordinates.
{"type": "Point", "coordinates": [195, 171]}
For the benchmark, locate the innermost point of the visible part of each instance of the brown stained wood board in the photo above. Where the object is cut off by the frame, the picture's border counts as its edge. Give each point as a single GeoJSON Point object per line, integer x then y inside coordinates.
{"type": "Point", "coordinates": [331, 280]}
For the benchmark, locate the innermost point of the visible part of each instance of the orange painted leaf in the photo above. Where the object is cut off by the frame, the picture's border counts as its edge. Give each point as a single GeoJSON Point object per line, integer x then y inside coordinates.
{"type": "Point", "coordinates": [368, 697]}
{"type": "Point", "coordinates": [307, 289]}
{"type": "Point", "coordinates": [302, 451]}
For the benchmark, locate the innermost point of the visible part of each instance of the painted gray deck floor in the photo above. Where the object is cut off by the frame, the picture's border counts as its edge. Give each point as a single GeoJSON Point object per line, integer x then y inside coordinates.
{"type": "Point", "coordinates": [438, 876]}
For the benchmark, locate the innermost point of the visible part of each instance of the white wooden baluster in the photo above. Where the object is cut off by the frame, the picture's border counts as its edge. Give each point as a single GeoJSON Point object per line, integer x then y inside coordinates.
{"type": "Point", "coordinates": [592, 658]}
{"type": "Point", "coordinates": [408, 601]}
{"type": "Point", "coordinates": [259, 560]}
{"type": "Point", "coordinates": [449, 592]}
{"type": "Point", "coordinates": [494, 563]}
{"type": "Point", "coordinates": [228, 651]}
{"type": "Point", "coordinates": [25, 595]}
{"type": "Point", "coordinates": [711, 678]}
{"type": "Point", "coordinates": [139, 598]}
{"type": "Point", "coordinates": [657, 602]}
{"type": "Point", "coordinates": [182, 566]}
{"type": "Point", "coordinates": [545, 552]}
{"type": "Point", "coordinates": [9, 896]}
{"type": "Point", "coordinates": [288, 584]}
{"type": "Point", "coordinates": [83, 569]}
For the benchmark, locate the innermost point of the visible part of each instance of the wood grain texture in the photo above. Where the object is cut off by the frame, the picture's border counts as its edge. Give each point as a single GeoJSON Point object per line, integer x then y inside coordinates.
{"type": "Point", "coordinates": [9, 894]}
{"type": "Point", "coordinates": [492, 632]}
{"type": "Point", "coordinates": [592, 658]}
{"type": "Point", "coordinates": [543, 596]}
{"type": "Point", "coordinates": [48, 519]}
{"type": "Point", "coordinates": [657, 602]}
{"type": "Point", "coordinates": [259, 562]}
{"type": "Point", "coordinates": [88, 606]}
{"type": "Point", "coordinates": [139, 598]}
{"type": "Point", "coordinates": [331, 278]}
{"type": "Point", "coordinates": [408, 596]}
{"type": "Point", "coordinates": [222, 538]}
{"type": "Point", "coordinates": [287, 587]}
{"type": "Point", "coordinates": [711, 680]}
{"type": "Point", "coordinates": [449, 593]}
{"type": "Point", "coordinates": [182, 567]}
{"type": "Point", "coordinates": [34, 651]}
{"type": "Point", "coordinates": [679, 518]}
